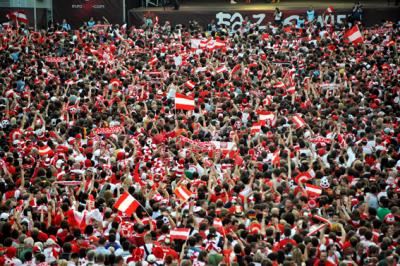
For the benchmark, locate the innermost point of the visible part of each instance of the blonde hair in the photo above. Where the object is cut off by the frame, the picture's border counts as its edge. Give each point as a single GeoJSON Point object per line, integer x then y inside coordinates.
{"type": "Point", "coordinates": [297, 256]}
{"type": "Point", "coordinates": [62, 262]}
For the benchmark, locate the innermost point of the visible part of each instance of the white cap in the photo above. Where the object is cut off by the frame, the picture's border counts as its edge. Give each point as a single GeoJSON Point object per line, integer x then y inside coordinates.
{"type": "Point", "coordinates": [4, 216]}
{"type": "Point", "coordinates": [151, 258]}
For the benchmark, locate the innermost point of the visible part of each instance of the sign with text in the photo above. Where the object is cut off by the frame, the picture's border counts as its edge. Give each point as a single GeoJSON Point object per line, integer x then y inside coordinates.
{"type": "Point", "coordinates": [76, 12]}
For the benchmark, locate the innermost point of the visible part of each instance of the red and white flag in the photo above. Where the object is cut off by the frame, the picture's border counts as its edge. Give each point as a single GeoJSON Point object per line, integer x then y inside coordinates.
{"type": "Point", "coordinates": [80, 219]}
{"type": "Point", "coordinates": [298, 121]}
{"type": "Point", "coordinates": [256, 128]}
{"type": "Point", "coordinates": [279, 85]}
{"type": "Point", "coordinates": [183, 193]}
{"type": "Point", "coordinates": [116, 82]}
{"type": "Point", "coordinates": [179, 233]}
{"type": "Point", "coordinates": [302, 177]}
{"type": "Point", "coordinates": [267, 116]}
{"type": "Point", "coordinates": [316, 230]}
{"type": "Point", "coordinates": [354, 35]}
{"type": "Point", "coordinates": [183, 102]}
{"type": "Point", "coordinates": [291, 89]}
{"type": "Point", "coordinates": [221, 69]}
{"type": "Point", "coordinates": [127, 204]}
{"type": "Point", "coordinates": [153, 60]}
{"type": "Point", "coordinates": [313, 190]}
{"type": "Point", "coordinates": [268, 100]}
{"type": "Point", "coordinates": [236, 69]}
{"type": "Point", "coordinates": [276, 158]}
{"type": "Point", "coordinates": [45, 150]}
{"type": "Point", "coordinates": [18, 16]}
{"type": "Point", "coordinates": [329, 9]}
{"type": "Point", "coordinates": [219, 44]}
{"type": "Point", "coordinates": [320, 218]}
{"type": "Point", "coordinates": [342, 141]}
{"type": "Point", "coordinates": [190, 84]}
{"type": "Point", "coordinates": [217, 224]}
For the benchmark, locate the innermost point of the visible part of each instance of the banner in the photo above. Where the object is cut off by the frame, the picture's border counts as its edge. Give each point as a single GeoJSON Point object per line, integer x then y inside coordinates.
{"type": "Point", "coordinates": [108, 130]}
{"type": "Point", "coordinates": [76, 12]}
{"type": "Point", "coordinates": [199, 145]}
{"type": "Point", "coordinates": [260, 17]}
{"type": "Point", "coordinates": [68, 183]}
{"type": "Point", "coordinates": [320, 140]}
{"type": "Point", "coordinates": [50, 59]}
{"type": "Point", "coordinates": [206, 146]}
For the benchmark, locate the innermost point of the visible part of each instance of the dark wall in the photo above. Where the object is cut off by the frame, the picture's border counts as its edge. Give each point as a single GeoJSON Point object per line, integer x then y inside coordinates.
{"type": "Point", "coordinates": [78, 11]}
{"type": "Point", "coordinates": [371, 16]}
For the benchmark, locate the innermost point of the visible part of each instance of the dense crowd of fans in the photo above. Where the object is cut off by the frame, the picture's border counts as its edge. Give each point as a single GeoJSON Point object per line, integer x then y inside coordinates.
{"type": "Point", "coordinates": [89, 114]}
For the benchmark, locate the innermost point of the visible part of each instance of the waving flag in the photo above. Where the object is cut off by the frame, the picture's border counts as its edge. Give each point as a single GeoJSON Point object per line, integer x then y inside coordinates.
{"type": "Point", "coordinates": [267, 116]}
{"type": "Point", "coordinates": [316, 230]}
{"type": "Point", "coordinates": [256, 128]}
{"type": "Point", "coordinates": [298, 121]}
{"type": "Point", "coordinates": [302, 177]}
{"type": "Point", "coordinates": [179, 233]}
{"type": "Point", "coordinates": [354, 35]}
{"type": "Point", "coordinates": [127, 204]}
{"type": "Point", "coordinates": [236, 69]}
{"type": "Point", "coordinates": [221, 69]}
{"type": "Point", "coordinates": [219, 44]}
{"type": "Point", "coordinates": [183, 102]}
{"type": "Point", "coordinates": [279, 85]}
{"type": "Point", "coordinates": [268, 100]}
{"type": "Point", "coordinates": [313, 191]}
{"type": "Point", "coordinates": [116, 82]}
{"type": "Point", "coordinates": [183, 193]}
{"type": "Point", "coordinates": [45, 150]}
{"type": "Point", "coordinates": [153, 60]}
{"type": "Point", "coordinates": [217, 224]}
{"type": "Point", "coordinates": [190, 84]}
{"type": "Point", "coordinates": [18, 16]}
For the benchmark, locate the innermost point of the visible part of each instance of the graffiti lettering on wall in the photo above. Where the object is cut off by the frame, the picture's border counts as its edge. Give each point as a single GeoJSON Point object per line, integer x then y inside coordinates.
{"type": "Point", "coordinates": [235, 20]}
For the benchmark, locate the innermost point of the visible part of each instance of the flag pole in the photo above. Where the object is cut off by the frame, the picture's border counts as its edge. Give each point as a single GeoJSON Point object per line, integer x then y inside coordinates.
{"type": "Point", "coordinates": [34, 14]}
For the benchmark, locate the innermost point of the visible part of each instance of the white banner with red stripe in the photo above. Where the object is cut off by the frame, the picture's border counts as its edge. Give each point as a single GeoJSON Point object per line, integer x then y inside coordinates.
{"type": "Point", "coordinates": [183, 102]}
{"type": "Point", "coordinates": [68, 183]}
{"type": "Point", "coordinates": [179, 233]}
{"type": "Point", "coordinates": [51, 59]}
{"type": "Point", "coordinates": [108, 130]}
{"type": "Point", "coordinates": [183, 193]}
{"type": "Point", "coordinates": [127, 204]}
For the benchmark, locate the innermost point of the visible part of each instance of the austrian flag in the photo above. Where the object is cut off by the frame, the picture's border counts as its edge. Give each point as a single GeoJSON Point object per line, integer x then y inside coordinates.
{"type": "Point", "coordinates": [153, 60]}
{"type": "Point", "coordinates": [354, 35]}
{"type": "Point", "coordinates": [256, 128]}
{"type": "Point", "coordinates": [179, 233]}
{"type": "Point", "coordinates": [183, 193]}
{"type": "Point", "coordinates": [268, 100]}
{"type": "Point", "coordinates": [127, 204]}
{"type": "Point", "coordinates": [45, 150]}
{"type": "Point", "coordinates": [183, 102]}
{"type": "Point", "coordinates": [190, 84]}
{"type": "Point", "coordinates": [221, 69]}
{"type": "Point", "coordinates": [298, 121]}
{"type": "Point", "coordinates": [267, 117]}
{"type": "Point", "coordinates": [18, 16]}
{"type": "Point", "coordinates": [313, 191]}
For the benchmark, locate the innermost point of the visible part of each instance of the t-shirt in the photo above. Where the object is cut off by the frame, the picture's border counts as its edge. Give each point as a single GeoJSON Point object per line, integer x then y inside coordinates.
{"type": "Point", "coordinates": [382, 212]}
